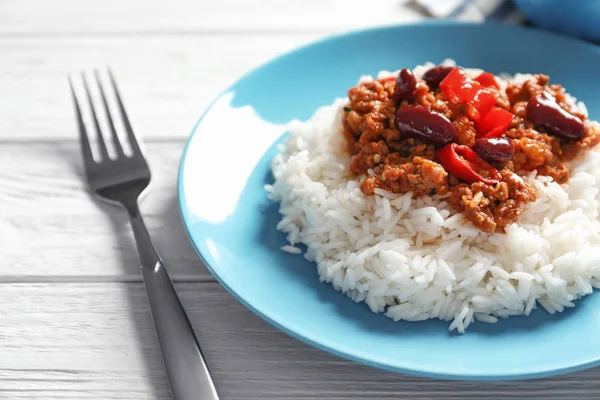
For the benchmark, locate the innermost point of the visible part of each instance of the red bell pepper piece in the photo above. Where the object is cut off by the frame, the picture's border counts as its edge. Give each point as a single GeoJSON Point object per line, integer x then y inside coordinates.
{"type": "Point", "coordinates": [482, 103]}
{"type": "Point", "coordinates": [459, 88]}
{"type": "Point", "coordinates": [487, 79]}
{"type": "Point", "coordinates": [462, 162]}
{"type": "Point", "coordinates": [494, 123]}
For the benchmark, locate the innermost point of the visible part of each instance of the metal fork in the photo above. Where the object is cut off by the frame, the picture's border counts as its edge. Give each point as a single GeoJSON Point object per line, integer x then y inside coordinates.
{"type": "Point", "coordinates": [122, 180]}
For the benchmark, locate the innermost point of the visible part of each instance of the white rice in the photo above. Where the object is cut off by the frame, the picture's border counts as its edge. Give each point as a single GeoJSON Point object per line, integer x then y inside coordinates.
{"type": "Point", "coordinates": [416, 258]}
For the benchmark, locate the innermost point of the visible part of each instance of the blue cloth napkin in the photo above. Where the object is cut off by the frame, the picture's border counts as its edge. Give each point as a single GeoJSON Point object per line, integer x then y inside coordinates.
{"type": "Point", "coordinates": [575, 18]}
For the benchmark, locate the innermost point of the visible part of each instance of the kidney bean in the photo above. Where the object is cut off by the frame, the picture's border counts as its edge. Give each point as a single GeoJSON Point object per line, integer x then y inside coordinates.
{"type": "Point", "coordinates": [435, 75]}
{"type": "Point", "coordinates": [424, 124]}
{"type": "Point", "coordinates": [543, 110]}
{"type": "Point", "coordinates": [406, 84]}
{"type": "Point", "coordinates": [495, 149]}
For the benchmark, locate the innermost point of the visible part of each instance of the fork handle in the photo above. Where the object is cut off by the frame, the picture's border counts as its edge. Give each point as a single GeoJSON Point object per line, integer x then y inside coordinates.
{"type": "Point", "coordinates": [187, 371]}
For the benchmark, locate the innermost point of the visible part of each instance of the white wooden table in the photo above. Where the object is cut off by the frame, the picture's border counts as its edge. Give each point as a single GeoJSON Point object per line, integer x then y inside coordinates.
{"type": "Point", "coordinates": [74, 323]}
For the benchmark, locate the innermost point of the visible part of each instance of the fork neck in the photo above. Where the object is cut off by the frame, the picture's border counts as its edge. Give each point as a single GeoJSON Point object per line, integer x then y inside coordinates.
{"type": "Point", "coordinates": [148, 256]}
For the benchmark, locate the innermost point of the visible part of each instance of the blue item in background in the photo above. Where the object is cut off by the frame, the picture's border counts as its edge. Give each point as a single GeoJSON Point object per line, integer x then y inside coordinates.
{"type": "Point", "coordinates": [580, 18]}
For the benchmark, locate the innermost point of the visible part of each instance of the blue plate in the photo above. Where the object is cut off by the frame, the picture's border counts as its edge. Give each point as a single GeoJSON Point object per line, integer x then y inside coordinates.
{"type": "Point", "coordinates": [232, 223]}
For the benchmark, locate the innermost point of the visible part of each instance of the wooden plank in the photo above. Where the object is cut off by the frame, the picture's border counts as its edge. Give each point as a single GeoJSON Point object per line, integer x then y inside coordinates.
{"type": "Point", "coordinates": [166, 81]}
{"type": "Point", "coordinates": [77, 341]}
{"type": "Point", "coordinates": [96, 341]}
{"type": "Point", "coordinates": [52, 227]}
{"type": "Point", "coordinates": [72, 17]}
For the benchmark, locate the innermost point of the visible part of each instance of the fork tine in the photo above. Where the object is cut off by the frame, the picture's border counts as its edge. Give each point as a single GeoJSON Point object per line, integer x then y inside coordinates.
{"type": "Point", "coordinates": [86, 150]}
{"type": "Point", "coordinates": [135, 147]}
{"type": "Point", "coordinates": [115, 137]}
{"type": "Point", "coordinates": [101, 141]}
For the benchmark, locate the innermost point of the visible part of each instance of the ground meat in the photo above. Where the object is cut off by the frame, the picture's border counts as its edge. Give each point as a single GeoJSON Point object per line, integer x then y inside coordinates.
{"type": "Point", "coordinates": [501, 98]}
{"type": "Point", "coordinates": [441, 105]}
{"type": "Point", "coordinates": [422, 96]}
{"type": "Point", "coordinates": [389, 161]}
{"type": "Point", "coordinates": [369, 156]}
{"type": "Point", "coordinates": [465, 131]}
{"type": "Point", "coordinates": [517, 188]}
{"type": "Point", "coordinates": [591, 138]}
{"type": "Point", "coordinates": [419, 175]}
{"type": "Point", "coordinates": [474, 206]}
{"type": "Point", "coordinates": [491, 206]}
{"type": "Point", "coordinates": [412, 148]}
{"type": "Point", "coordinates": [369, 184]}
{"type": "Point", "coordinates": [519, 109]}
{"type": "Point", "coordinates": [517, 92]}
{"type": "Point", "coordinates": [372, 109]}
{"type": "Point", "coordinates": [532, 149]}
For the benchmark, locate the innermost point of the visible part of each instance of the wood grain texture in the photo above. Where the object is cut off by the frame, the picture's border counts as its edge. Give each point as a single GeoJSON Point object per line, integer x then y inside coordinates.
{"type": "Point", "coordinates": [52, 227]}
{"type": "Point", "coordinates": [73, 17]}
{"type": "Point", "coordinates": [86, 333]}
{"type": "Point", "coordinates": [96, 341]}
{"type": "Point", "coordinates": [167, 81]}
